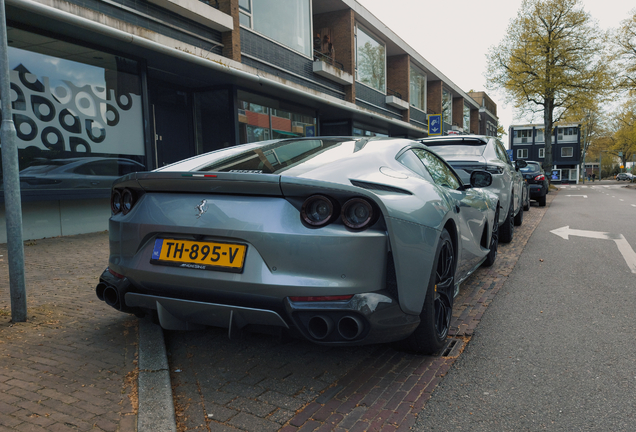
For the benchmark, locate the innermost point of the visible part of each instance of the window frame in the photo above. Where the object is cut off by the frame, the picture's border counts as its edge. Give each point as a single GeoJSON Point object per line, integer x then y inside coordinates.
{"type": "Point", "coordinates": [371, 35]}
{"type": "Point", "coordinates": [542, 153]}
{"type": "Point", "coordinates": [566, 148]}
{"type": "Point", "coordinates": [520, 153]}
{"type": "Point", "coordinates": [413, 68]}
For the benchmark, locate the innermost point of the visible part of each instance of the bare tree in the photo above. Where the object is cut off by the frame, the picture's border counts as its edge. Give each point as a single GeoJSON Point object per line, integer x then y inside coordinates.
{"type": "Point", "coordinates": [551, 59]}
{"type": "Point", "coordinates": [625, 43]}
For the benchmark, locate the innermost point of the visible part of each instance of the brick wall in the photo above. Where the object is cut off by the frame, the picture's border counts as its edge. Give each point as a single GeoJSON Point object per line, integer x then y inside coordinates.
{"type": "Point", "coordinates": [341, 24]}
{"type": "Point", "coordinates": [458, 112]}
{"type": "Point", "coordinates": [434, 97]}
{"type": "Point", "coordinates": [232, 39]}
{"type": "Point", "coordinates": [474, 122]}
{"type": "Point", "coordinates": [398, 72]}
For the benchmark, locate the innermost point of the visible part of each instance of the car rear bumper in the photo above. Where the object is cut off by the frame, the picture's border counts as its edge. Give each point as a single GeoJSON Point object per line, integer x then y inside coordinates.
{"type": "Point", "coordinates": [366, 318]}
{"type": "Point", "coordinates": [536, 191]}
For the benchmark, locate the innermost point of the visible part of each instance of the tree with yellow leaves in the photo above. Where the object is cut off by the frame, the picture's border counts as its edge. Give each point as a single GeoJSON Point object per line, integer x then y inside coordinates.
{"type": "Point", "coordinates": [552, 58]}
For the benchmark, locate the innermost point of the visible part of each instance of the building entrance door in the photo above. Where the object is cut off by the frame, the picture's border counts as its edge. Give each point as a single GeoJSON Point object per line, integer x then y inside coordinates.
{"type": "Point", "coordinates": [173, 126]}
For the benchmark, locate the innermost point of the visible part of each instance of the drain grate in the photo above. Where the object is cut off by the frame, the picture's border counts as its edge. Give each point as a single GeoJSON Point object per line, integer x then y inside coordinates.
{"type": "Point", "coordinates": [452, 348]}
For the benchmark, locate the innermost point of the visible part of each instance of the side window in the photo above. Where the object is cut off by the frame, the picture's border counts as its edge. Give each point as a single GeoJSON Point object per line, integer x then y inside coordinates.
{"type": "Point", "coordinates": [441, 173]}
{"type": "Point", "coordinates": [412, 162]}
{"type": "Point", "coordinates": [501, 153]}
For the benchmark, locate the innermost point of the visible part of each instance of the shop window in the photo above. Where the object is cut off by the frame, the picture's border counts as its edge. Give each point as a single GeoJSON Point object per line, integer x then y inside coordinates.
{"type": "Point", "coordinates": [466, 125]}
{"type": "Point", "coordinates": [362, 131]}
{"type": "Point", "coordinates": [418, 89]}
{"type": "Point", "coordinates": [262, 118]}
{"type": "Point", "coordinates": [287, 22]}
{"type": "Point", "coordinates": [77, 113]}
{"type": "Point", "coordinates": [447, 107]}
{"type": "Point", "coordinates": [370, 60]}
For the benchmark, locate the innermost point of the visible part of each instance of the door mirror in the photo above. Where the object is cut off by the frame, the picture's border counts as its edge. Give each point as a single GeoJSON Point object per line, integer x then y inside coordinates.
{"type": "Point", "coordinates": [480, 179]}
{"type": "Point", "coordinates": [520, 163]}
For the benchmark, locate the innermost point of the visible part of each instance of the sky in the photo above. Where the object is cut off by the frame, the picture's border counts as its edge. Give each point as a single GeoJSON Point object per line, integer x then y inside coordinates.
{"type": "Point", "coordinates": [463, 30]}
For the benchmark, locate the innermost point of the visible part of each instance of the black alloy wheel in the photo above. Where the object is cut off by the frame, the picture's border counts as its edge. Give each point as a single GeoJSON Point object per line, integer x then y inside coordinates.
{"type": "Point", "coordinates": [494, 242]}
{"type": "Point", "coordinates": [444, 289]}
{"type": "Point", "coordinates": [430, 335]}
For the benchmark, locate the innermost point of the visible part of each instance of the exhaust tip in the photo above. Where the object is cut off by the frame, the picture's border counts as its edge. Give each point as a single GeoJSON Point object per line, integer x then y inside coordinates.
{"type": "Point", "coordinates": [320, 326]}
{"type": "Point", "coordinates": [350, 327]}
{"type": "Point", "coordinates": [111, 296]}
{"type": "Point", "coordinates": [99, 290]}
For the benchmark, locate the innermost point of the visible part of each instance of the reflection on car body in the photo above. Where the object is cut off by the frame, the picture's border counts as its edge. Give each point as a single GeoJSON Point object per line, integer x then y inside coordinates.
{"type": "Point", "coordinates": [339, 240]}
{"type": "Point", "coordinates": [76, 173]}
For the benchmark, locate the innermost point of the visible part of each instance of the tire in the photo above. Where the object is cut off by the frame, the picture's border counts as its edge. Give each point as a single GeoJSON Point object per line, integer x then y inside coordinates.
{"type": "Point", "coordinates": [430, 335]}
{"type": "Point", "coordinates": [507, 229]}
{"type": "Point", "coordinates": [526, 203]}
{"type": "Point", "coordinates": [542, 201]}
{"type": "Point", "coordinates": [519, 217]}
{"type": "Point", "coordinates": [494, 242]}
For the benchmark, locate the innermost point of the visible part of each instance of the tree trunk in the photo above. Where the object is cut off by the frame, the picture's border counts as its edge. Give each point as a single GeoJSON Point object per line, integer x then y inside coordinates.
{"type": "Point", "coordinates": [548, 110]}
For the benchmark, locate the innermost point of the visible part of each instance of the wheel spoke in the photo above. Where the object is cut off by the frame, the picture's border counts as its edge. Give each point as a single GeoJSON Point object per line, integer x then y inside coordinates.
{"type": "Point", "coordinates": [444, 289]}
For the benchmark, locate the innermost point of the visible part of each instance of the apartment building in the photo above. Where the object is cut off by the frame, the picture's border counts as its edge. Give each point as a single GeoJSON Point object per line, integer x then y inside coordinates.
{"type": "Point", "coordinates": [103, 87]}
{"type": "Point", "coordinates": [528, 142]}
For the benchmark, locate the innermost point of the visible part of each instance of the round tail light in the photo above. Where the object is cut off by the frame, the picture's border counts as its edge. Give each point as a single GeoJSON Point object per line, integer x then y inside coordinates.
{"type": "Point", "coordinates": [115, 202]}
{"type": "Point", "coordinates": [127, 201]}
{"type": "Point", "coordinates": [317, 211]}
{"type": "Point", "coordinates": [357, 213]}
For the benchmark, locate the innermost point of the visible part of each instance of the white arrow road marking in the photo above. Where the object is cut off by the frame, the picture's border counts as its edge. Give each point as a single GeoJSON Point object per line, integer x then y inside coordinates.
{"type": "Point", "coordinates": [584, 196]}
{"type": "Point", "coordinates": [623, 245]}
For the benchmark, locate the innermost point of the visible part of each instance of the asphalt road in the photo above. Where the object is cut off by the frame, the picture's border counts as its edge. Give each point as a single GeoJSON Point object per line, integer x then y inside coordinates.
{"type": "Point", "coordinates": [555, 350]}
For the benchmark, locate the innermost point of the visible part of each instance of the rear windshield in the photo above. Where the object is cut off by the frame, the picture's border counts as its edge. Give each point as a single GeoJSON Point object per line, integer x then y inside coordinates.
{"type": "Point", "coordinates": [274, 158]}
{"type": "Point", "coordinates": [532, 167]}
{"type": "Point", "coordinates": [446, 149]}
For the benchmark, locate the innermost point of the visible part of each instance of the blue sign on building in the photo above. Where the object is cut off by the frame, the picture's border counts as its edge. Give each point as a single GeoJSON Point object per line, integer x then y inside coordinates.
{"type": "Point", "coordinates": [509, 155]}
{"type": "Point", "coordinates": [434, 124]}
{"type": "Point", "coordinates": [310, 131]}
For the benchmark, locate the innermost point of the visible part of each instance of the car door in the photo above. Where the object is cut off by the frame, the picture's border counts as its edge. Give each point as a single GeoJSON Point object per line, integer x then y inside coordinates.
{"type": "Point", "coordinates": [468, 205]}
{"type": "Point", "coordinates": [514, 176]}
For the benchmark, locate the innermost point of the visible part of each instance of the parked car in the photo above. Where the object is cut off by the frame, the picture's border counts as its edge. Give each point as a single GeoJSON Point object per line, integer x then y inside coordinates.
{"type": "Point", "coordinates": [537, 181]}
{"type": "Point", "coordinates": [341, 240]}
{"type": "Point", "coordinates": [76, 173]}
{"type": "Point", "coordinates": [467, 153]}
{"type": "Point", "coordinates": [624, 176]}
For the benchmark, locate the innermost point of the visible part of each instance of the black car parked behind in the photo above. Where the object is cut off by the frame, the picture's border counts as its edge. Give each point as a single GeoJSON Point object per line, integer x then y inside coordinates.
{"type": "Point", "coordinates": [537, 181]}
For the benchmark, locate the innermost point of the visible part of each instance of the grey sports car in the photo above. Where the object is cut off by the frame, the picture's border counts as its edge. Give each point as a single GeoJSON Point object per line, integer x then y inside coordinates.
{"type": "Point", "coordinates": [340, 240]}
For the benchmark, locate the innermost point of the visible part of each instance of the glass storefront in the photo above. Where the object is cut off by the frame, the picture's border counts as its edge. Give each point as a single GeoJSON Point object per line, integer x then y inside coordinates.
{"type": "Point", "coordinates": [262, 118]}
{"type": "Point", "coordinates": [77, 113]}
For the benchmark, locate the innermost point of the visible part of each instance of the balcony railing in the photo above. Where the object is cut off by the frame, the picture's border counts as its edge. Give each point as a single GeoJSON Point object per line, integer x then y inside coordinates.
{"type": "Point", "coordinates": [327, 59]}
{"type": "Point", "coordinates": [213, 3]}
{"type": "Point", "coordinates": [391, 92]}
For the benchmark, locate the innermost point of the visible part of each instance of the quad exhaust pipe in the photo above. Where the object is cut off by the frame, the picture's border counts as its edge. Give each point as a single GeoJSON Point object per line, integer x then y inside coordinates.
{"type": "Point", "coordinates": [349, 327]}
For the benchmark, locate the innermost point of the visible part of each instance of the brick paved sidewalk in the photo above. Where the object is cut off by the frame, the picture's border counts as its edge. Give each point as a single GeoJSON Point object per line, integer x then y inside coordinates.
{"type": "Point", "coordinates": [72, 365]}
{"type": "Point", "coordinates": [258, 384]}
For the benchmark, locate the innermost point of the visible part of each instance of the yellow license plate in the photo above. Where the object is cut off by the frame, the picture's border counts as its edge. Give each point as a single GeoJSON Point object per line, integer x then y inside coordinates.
{"type": "Point", "coordinates": [199, 255]}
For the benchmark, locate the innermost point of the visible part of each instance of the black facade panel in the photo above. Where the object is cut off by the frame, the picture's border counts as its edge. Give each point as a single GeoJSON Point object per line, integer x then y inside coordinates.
{"type": "Point", "coordinates": [285, 63]}
{"type": "Point", "coordinates": [418, 116]}
{"type": "Point", "coordinates": [167, 23]}
{"type": "Point", "coordinates": [375, 101]}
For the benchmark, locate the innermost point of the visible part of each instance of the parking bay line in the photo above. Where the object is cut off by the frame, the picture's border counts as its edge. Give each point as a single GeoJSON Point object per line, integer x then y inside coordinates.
{"type": "Point", "coordinates": [623, 245]}
{"type": "Point", "coordinates": [584, 196]}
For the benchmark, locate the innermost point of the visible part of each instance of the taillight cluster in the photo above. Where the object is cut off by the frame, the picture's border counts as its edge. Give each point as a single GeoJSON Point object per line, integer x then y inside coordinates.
{"type": "Point", "coordinates": [540, 177]}
{"type": "Point", "coordinates": [356, 213]}
{"type": "Point", "coordinates": [122, 200]}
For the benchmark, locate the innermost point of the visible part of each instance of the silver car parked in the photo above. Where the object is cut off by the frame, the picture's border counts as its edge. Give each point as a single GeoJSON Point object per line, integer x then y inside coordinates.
{"type": "Point", "coordinates": [467, 153]}
{"type": "Point", "coordinates": [339, 240]}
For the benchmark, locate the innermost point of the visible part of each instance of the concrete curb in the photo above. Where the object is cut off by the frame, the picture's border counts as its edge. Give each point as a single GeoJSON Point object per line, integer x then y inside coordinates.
{"type": "Point", "coordinates": [156, 407]}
